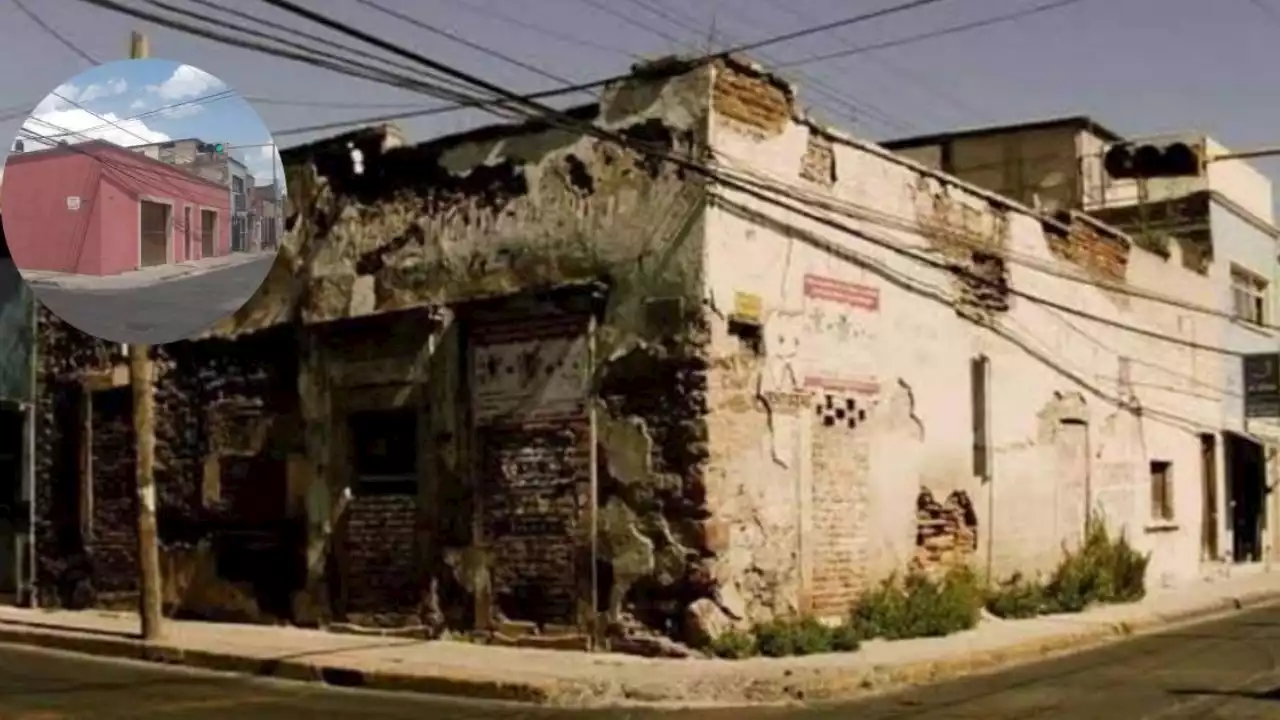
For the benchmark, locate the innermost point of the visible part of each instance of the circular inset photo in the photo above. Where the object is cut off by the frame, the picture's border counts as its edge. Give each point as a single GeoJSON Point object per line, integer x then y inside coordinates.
{"type": "Point", "coordinates": [142, 201]}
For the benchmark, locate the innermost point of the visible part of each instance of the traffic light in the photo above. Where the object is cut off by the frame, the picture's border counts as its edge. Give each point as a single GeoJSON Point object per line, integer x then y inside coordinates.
{"type": "Point", "coordinates": [1127, 161]}
{"type": "Point", "coordinates": [213, 148]}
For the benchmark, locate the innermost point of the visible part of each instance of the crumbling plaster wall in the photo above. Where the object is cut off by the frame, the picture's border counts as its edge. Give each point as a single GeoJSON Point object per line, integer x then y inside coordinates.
{"type": "Point", "coordinates": [839, 312]}
{"type": "Point", "coordinates": [502, 211]}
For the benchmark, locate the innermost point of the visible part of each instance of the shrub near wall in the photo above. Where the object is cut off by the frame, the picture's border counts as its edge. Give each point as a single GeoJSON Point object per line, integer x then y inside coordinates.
{"type": "Point", "coordinates": [1104, 570]}
{"type": "Point", "coordinates": [899, 608]}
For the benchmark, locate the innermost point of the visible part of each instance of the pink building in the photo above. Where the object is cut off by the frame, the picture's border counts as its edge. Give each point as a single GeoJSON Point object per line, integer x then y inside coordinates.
{"type": "Point", "coordinates": [99, 209]}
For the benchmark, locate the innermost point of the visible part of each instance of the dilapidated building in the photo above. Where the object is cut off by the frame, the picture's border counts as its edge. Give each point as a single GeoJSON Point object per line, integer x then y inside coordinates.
{"type": "Point", "coordinates": [528, 380]}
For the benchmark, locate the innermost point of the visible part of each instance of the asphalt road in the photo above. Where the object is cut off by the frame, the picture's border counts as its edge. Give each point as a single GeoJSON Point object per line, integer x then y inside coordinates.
{"type": "Point", "coordinates": [160, 313]}
{"type": "Point", "coordinates": [1225, 669]}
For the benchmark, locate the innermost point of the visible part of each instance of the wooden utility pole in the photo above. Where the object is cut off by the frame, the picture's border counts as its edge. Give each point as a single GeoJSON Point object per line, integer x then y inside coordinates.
{"type": "Point", "coordinates": [144, 432]}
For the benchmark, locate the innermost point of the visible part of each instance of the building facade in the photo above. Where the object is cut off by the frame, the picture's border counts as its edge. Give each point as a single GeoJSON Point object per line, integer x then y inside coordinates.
{"type": "Point", "coordinates": [220, 168]}
{"type": "Point", "coordinates": [268, 212]}
{"type": "Point", "coordinates": [512, 380]}
{"type": "Point", "coordinates": [1221, 221]}
{"type": "Point", "coordinates": [98, 209]}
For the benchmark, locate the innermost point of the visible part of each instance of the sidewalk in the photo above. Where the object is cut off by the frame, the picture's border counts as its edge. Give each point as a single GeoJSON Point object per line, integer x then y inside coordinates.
{"type": "Point", "coordinates": [143, 278]}
{"type": "Point", "coordinates": [579, 679]}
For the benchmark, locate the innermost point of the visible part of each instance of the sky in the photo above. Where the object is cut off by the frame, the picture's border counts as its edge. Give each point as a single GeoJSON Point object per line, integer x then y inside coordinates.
{"type": "Point", "coordinates": [176, 100]}
{"type": "Point", "coordinates": [1137, 66]}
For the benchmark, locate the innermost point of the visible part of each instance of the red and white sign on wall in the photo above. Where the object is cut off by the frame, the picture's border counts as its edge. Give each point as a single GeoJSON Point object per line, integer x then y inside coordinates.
{"type": "Point", "coordinates": [855, 295]}
{"type": "Point", "coordinates": [840, 334]}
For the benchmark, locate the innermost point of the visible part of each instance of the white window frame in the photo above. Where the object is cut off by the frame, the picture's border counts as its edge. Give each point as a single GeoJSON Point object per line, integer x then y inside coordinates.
{"type": "Point", "coordinates": [1250, 296]}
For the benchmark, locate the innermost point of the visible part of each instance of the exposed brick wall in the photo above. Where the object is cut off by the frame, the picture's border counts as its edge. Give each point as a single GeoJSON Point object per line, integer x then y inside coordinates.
{"type": "Point", "coordinates": [63, 570]}
{"type": "Point", "coordinates": [191, 378]}
{"type": "Point", "coordinates": [840, 476]}
{"type": "Point", "coordinates": [750, 100]}
{"type": "Point", "coordinates": [1102, 255]}
{"type": "Point", "coordinates": [114, 541]}
{"type": "Point", "coordinates": [947, 532]}
{"type": "Point", "coordinates": [819, 162]}
{"type": "Point", "coordinates": [534, 485]}
{"type": "Point", "coordinates": [380, 546]}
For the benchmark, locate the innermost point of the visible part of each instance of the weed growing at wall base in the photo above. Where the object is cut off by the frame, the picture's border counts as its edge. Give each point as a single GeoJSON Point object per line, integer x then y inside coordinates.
{"type": "Point", "coordinates": [1104, 570]}
{"type": "Point", "coordinates": [899, 608]}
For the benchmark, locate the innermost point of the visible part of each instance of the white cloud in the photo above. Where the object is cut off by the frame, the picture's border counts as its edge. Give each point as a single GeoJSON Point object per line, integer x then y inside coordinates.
{"type": "Point", "coordinates": [97, 91]}
{"type": "Point", "coordinates": [58, 122]}
{"type": "Point", "coordinates": [186, 82]}
{"type": "Point", "coordinates": [54, 101]}
{"type": "Point", "coordinates": [137, 104]}
{"type": "Point", "coordinates": [259, 161]}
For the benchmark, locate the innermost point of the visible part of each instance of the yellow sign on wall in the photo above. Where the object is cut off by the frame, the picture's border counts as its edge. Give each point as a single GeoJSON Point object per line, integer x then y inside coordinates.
{"type": "Point", "coordinates": [748, 306]}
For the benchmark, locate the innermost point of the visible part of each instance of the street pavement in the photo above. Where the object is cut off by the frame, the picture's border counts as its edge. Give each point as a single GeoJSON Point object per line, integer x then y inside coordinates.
{"type": "Point", "coordinates": [1225, 669]}
{"type": "Point", "coordinates": [160, 313]}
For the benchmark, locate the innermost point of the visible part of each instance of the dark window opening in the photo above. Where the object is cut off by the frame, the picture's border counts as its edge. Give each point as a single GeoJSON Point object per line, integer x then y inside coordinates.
{"type": "Point", "coordinates": [979, 383]}
{"type": "Point", "coordinates": [385, 452]}
{"type": "Point", "coordinates": [1161, 490]}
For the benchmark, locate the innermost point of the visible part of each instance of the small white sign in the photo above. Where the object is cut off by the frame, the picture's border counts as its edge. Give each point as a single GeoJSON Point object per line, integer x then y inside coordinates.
{"type": "Point", "coordinates": [73, 202]}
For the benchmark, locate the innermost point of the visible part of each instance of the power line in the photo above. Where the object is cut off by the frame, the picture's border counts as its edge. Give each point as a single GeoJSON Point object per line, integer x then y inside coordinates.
{"type": "Point", "coordinates": [301, 47]}
{"type": "Point", "coordinates": [258, 100]}
{"type": "Point", "coordinates": [891, 221]}
{"type": "Point", "coordinates": [557, 118]}
{"type": "Point", "coordinates": [215, 97]}
{"type": "Point", "coordinates": [856, 107]}
{"type": "Point", "coordinates": [638, 24]}
{"type": "Point", "coordinates": [921, 37]}
{"type": "Point", "coordinates": [440, 32]}
{"type": "Point", "coordinates": [109, 122]}
{"type": "Point", "coordinates": [382, 76]}
{"type": "Point", "coordinates": [933, 88]}
{"type": "Point", "coordinates": [52, 32]}
{"type": "Point", "coordinates": [502, 16]}
{"type": "Point", "coordinates": [750, 189]}
{"type": "Point", "coordinates": [765, 194]}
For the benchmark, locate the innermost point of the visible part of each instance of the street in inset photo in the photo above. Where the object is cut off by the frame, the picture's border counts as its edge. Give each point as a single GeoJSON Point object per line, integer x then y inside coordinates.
{"type": "Point", "coordinates": [142, 201]}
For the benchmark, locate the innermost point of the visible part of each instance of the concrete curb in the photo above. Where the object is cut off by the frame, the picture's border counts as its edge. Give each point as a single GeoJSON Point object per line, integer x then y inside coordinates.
{"type": "Point", "coordinates": [286, 668]}
{"type": "Point", "coordinates": [844, 686]}
{"type": "Point", "coordinates": [786, 685]}
{"type": "Point", "coordinates": [177, 273]}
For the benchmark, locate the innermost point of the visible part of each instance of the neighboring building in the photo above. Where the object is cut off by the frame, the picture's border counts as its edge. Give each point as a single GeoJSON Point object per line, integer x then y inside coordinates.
{"type": "Point", "coordinates": [1220, 219]}
{"type": "Point", "coordinates": [765, 391]}
{"type": "Point", "coordinates": [220, 168]}
{"type": "Point", "coordinates": [265, 208]}
{"type": "Point", "coordinates": [98, 209]}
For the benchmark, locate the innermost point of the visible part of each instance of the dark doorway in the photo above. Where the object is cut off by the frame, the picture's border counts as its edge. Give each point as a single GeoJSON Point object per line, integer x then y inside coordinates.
{"type": "Point", "coordinates": [1209, 485]}
{"type": "Point", "coordinates": [13, 511]}
{"type": "Point", "coordinates": [154, 240]}
{"type": "Point", "coordinates": [189, 250]}
{"type": "Point", "coordinates": [1245, 464]}
{"type": "Point", "coordinates": [208, 232]}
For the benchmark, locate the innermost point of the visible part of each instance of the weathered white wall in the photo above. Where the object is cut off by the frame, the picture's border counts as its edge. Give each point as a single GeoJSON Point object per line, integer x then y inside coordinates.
{"type": "Point", "coordinates": [907, 356]}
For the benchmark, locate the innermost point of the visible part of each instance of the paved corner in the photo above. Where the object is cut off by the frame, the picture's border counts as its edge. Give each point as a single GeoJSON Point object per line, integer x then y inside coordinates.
{"type": "Point", "coordinates": [568, 679]}
{"type": "Point", "coordinates": [161, 312]}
